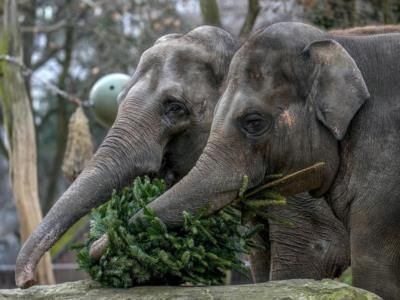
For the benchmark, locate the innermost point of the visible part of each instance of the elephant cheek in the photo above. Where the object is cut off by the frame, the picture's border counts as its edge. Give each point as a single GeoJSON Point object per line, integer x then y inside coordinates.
{"type": "Point", "coordinates": [287, 119]}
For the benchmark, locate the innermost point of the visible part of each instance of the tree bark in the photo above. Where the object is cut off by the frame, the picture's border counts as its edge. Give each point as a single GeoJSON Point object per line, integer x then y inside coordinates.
{"type": "Point", "coordinates": [386, 8]}
{"type": "Point", "coordinates": [29, 9]}
{"type": "Point", "coordinates": [18, 121]}
{"type": "Point", "coordinates": [62, 122]}
{"type": "Point", "coordinates": [210, 12]}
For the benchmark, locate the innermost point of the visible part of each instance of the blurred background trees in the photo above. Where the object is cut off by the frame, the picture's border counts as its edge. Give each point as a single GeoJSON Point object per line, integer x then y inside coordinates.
{"type": "Point", "coordinates": [72, 43]}
{"type": "Point", "coordinates": [348, 13]}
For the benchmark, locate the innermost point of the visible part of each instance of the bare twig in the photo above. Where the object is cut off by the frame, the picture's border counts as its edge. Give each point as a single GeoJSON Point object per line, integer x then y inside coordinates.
{"type": "Point", "coordinates": [51, 87]}
{"type": "Point", "coordinates": [44, 29]}
{"type": "Point", "coordinates": [45, 57]}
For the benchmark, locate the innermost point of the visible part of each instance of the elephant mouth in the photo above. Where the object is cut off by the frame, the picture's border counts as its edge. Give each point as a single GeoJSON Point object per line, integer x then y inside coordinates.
{"type": "Point", "coordinates": [167, 172]}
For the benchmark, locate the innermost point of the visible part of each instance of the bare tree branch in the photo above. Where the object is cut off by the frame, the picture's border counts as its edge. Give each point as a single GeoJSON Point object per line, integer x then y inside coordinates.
{"type": "Point", "coordinates": [45, 58]}
{"type": "Point", "coordinates": [45, 29]}
{"type": "Point", "coordinates": [53, 88]}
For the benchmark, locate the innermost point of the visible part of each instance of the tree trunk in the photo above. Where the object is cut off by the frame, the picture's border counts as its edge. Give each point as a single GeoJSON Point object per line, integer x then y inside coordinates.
{"type": "Point", "coordinates": [386, 7]}
{"type": "Point", "coordinates": [210, 12]}
{"type": "Point", "coordinates": [27, 38]}
{"type": "Point", "coordinates": [18, 121]}
{"type": "Point", "coordinates": [251, 17]}
{"type": "Point", "coordinates": [62, 123]}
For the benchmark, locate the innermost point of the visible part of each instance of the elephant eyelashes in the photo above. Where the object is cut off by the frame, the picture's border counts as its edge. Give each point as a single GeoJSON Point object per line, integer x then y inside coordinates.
{"type": "Point", "coordinates": [175, 109]}
{"type": "Point", "coordinates": [254, 124]}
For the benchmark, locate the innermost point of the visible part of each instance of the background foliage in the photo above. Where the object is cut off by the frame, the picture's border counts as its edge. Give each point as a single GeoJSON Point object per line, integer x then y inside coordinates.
{"type": "Point", "coordinates": [146, 252]}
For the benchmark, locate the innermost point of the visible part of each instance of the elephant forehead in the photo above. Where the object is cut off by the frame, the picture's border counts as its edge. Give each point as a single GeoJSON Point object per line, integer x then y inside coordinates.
{"type": "Point", "coordinates": [170, 65]}
{"type": "Point", "coordinates": [286, 35]}
{"type": "Point", "coordinates": [179, 50]}
{"type": "Point", "coordinates": [275, 44]}
{"type": "Point", "coordinates": [255, 64]}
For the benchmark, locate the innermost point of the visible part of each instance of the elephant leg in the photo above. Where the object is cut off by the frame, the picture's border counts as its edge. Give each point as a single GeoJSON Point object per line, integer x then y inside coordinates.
{"type": "Point", "coordinates": [314, 245]}
{"type": "Point", "coordinates": [260, 259]}
{"type": "Point", "coordinates": [375, 247]}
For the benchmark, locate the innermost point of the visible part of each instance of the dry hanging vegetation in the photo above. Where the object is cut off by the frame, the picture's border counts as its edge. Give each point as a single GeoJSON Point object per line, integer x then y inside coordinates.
{"type": "Point", "coordinates": [79, 147]}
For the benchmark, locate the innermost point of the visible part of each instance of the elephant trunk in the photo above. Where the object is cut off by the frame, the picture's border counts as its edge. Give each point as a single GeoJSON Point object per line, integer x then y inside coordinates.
{"type": "Point", "coordinates": [122, 156]}
{"type": "Point", "coordinates": [211, 185]}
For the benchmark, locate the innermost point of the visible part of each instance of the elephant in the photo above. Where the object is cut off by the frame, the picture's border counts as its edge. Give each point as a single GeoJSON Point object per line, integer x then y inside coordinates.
{"type": "Point", "coordinates": [324, 247]}
{"type": "Point", "coordinates": [162, 125]}
{"type": "Point", "coordinates": [163, 122]}
{"type": "Point", "coordinates": [297, 95]}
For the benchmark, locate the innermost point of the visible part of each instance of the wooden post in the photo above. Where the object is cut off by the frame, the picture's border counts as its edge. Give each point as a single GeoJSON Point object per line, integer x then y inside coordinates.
{"type": "Point", "coordinates": [18, 121]}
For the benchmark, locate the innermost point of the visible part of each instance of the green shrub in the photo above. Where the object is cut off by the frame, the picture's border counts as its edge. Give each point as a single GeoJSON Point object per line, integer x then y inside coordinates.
{"type": "Point", "coordinates": [200, 252]}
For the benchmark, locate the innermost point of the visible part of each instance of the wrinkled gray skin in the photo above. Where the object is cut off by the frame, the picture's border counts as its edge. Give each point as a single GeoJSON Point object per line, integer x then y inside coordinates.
{"type": "Point", "coordinates": [162, 126]}
{"type": "Point", "coordinates": [296, 96]}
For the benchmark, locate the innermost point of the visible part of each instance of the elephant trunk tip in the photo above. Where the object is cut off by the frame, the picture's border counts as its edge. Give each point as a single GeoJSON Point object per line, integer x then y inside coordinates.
{"type": "Point", "coordinates": [24, 276]}
{"type": "Point", "coordinates": [31, 253]}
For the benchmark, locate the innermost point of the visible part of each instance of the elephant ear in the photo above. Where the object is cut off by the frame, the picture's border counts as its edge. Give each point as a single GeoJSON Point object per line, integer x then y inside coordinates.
{"type": "Point", "coordinates": [338, 89]}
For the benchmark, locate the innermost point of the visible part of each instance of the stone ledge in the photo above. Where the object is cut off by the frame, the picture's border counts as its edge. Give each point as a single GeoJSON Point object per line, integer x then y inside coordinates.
{"type": "Point", "coordinates": [276, 290]}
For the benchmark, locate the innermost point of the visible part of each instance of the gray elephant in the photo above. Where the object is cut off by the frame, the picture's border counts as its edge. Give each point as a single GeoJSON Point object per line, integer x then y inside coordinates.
{"type": "Point", "coordinates": [295, 96]}
{"type": "Point", "coordinates": [162, 126]}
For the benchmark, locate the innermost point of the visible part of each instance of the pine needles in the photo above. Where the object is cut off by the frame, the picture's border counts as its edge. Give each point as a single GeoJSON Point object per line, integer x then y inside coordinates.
{"type": "Point", "coordinates": [200, 252]}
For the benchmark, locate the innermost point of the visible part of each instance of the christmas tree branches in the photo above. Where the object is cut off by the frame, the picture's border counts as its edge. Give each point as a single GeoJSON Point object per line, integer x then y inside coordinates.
{"type": "Point", "coordinates": [200, 252]}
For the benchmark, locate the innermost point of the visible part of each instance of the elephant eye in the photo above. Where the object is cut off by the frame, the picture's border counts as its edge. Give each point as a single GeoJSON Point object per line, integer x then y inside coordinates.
{"type": "Point", "coordinates": [174, 108]}
{"type": "Point", "coordinates": [254, 124]}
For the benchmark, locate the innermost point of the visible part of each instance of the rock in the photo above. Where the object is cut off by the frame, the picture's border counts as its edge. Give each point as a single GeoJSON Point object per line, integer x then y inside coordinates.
{"type": "Point", "coordinates": [287, 290]}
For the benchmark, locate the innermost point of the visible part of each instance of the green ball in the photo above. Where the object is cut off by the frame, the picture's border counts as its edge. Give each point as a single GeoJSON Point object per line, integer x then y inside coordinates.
{"type": "Point", "coordinates": [104, 97]}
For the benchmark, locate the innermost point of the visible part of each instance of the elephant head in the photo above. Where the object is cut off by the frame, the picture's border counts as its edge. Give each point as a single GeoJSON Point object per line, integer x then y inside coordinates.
{"type": "Point", "coordinates": [162, 125]}
{"type": "Point", "coordinates": [291, 95]}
